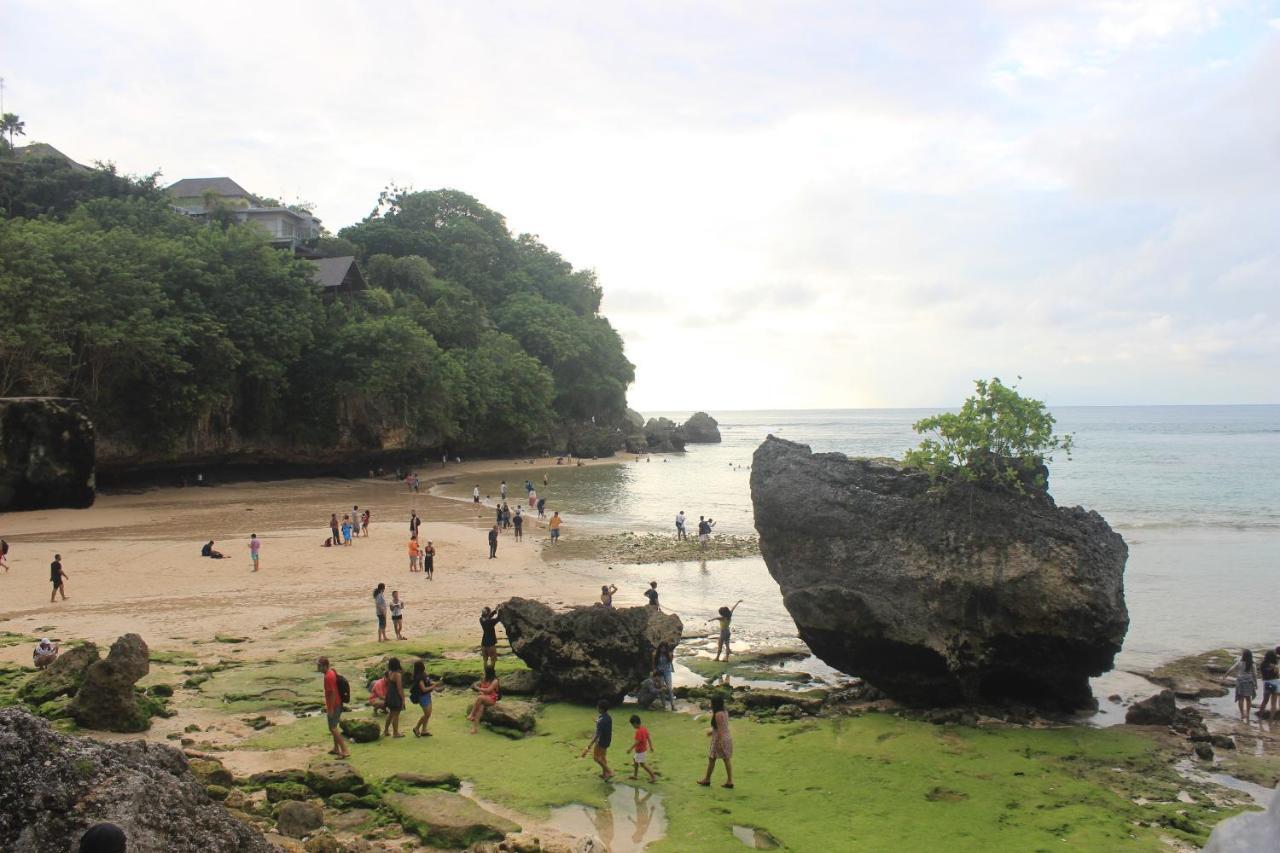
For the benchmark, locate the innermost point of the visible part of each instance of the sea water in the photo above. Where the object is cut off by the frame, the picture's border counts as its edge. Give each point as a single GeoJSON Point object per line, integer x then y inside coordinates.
{"type": "Point", "coordinates": [1194, 491]}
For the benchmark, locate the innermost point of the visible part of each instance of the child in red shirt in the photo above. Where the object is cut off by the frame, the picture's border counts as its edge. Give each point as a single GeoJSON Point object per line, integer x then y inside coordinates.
{"type": "Point", "coordinates": [641, 747]}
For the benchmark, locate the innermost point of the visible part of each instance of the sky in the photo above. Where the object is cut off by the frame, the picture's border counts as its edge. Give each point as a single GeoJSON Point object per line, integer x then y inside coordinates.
{"type": "Point", "coordinates": [789, 205]}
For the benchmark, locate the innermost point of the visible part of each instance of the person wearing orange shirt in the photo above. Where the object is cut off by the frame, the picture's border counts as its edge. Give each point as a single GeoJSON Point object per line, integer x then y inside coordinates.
{"type": "Point", "coordinates": [413, 553]}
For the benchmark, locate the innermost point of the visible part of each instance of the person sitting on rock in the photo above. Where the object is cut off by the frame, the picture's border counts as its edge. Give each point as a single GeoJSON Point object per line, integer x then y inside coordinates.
{"type": "Point", "coordinates": [44, 653]}
{"type": "Point", "coordinates": [103, 838]}
{"type": "Point", "coordinates": [209, 551]}
{"type": "Point", "coordinates": [489, 695]}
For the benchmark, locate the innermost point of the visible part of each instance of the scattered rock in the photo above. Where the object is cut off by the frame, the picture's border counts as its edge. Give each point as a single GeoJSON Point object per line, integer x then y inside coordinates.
{"type": "Point", "coordinates": [588, 653]}
{"type": "Point", "coordinates": [426, 780]}
{"type": "Point", "coordinates": [211, 771]}
{"type": "Point", "coordinates": [701, 428]}
{"type": "Point", "coordinates": [164, 691]}
{"type": "Point", "coordinates": [63, 677]}
{"type": "Point", "coordinates": [810, 701]}
{"type": "Point", "coordinates": [511, 714]}
{"type": "Point", "coordinates": [323, 842]}
{"type": "Point", "coordinates": [47, 444]}
{"type": "Point", "coordinates": [216, 792]}
{"type": "Point", "coordinates": [360, 731]}
{"type": "Point", "coordinates": [297, 820]}
{"type": "Point", "coordinates": [326, 776]}
{"type": "Point", "coordinates": [267, 776]}
{"type": "Point", "coordinates": [448, 820]}
{"type": "Point", "coordinates": [106, 701]}
{"type": "Point", "coordinates": [1222, 741]}
{"type": "Point", "coordinates": [1204, 752]}
{"type": "Point", "coordinates": [279, 792]}
{"type": "Point", "coordinates": [1158, 710]}
{"type": "Point", "coordinates": [1188, 721]}
{"type": "Point", "coordinates": [955, 593]}
{"type": "Point", "coordinates": [53, 787]}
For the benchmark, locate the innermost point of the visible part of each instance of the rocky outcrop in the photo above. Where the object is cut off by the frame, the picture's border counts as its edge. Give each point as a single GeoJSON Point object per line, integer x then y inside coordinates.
{"type": "Point", "coordinates": [588, 653]}
{"type": "Point", "coordinates": [326, 776]}
{"type": "Point", "coordinates": [53, 787]}
{"type": "Point", "coordinates": [46, 454]}
{"type": "Point", "coordinates": [63, 677]}
{"type": "Point", "coordinates": [663, 435]}
{"type": "Point", "coordinates": [106, 701]}
{"type": "Point", "coordinates": [701, 428]}
{"type": "Point", "coordinates": [511, 715]}
{"type": "Point", "coordinates": [447, 820]}
{"type": "Point", "coordinates": [1158, 710]}
{"type": "Point", "coordinates": [940, 595]}
{"type": "Point", "coordinates": [297, 819]}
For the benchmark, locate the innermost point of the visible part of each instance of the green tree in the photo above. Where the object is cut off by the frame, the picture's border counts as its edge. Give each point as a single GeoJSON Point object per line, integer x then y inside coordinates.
{"type": "Point", "coordinates": [997, 437]}
{"type": "Point", "coordinates": [11, 125]}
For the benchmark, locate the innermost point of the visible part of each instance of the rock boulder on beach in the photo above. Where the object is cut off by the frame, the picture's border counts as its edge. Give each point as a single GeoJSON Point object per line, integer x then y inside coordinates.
{"type": "Point", "coordinates": [106, 701]}
{"type": "Point", "coordinates": [701, 428]}
{"type": "Point", "coordinates": [53, 787]}
{"type": "Point", "coordinates": [663, 435]}
{"type": "Point", "coordinates": [935, 594]}
{"type": "Point", "coordinates": [588, 653]}
{"type": "Point", "coordinates": [63, 677]}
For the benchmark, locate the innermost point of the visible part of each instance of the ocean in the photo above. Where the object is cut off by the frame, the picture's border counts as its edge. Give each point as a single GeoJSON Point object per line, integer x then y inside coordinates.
{"type": "Point", "coordinates": [1194, 491]}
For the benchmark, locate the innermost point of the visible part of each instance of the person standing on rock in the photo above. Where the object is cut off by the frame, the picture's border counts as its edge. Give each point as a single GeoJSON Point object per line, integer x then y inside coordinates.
{"type": "Point", "coordinates": [680, 533]}
{"type": "Point", "coordinates": [429, 560]}
{"type": "Point", "coordinates": [380, 608]}
{"type": "Point", "coordinates": [721, 744]}
{"type": "Point", "coordinates": [1246, 683]}
{"type": "Point", "coordinates": [704, 532]}
{"type": "Point", "coordinates": [489, 619]}
{"type": "Point", "coordinates": [652, 594]}
{"type": "Point", "coordinates": [725, 619]}
{"type": "Point", "coordinates": [58, 577]}
{"type": "Point", "coordinates": [493, 542]}
{"type": "Point", "coordinates": [601, 740]}
{"type": "Point", "coordinates": [333, 708]}
{"type": "Point", "coordinates": [255, 550]}
{"type": "Point", "coordinates": [606, 595]}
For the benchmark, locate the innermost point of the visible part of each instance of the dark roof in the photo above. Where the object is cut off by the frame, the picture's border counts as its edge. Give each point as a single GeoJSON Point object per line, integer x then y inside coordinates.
{"type": "Point", "coordinates": [197, 187]}
{"type": "Point", "coordinates": [44, 149]}
{"type": "Point", "coordinates": [332, 272]}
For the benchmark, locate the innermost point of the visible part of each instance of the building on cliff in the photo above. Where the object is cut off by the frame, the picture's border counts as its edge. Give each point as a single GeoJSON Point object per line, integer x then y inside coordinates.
{"type": "Point", "coordinates": [288, 228]}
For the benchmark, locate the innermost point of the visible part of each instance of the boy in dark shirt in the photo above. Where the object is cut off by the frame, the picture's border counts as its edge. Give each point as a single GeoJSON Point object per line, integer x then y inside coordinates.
{"type": "Point", "coordinates": [57, 576]}
{"type": "Point", "coordinates": [601, 740]}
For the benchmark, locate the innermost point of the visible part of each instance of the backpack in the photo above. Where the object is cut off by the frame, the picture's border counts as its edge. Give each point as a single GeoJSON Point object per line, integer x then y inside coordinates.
{"type": "Point", "coordinates": [344, 689]}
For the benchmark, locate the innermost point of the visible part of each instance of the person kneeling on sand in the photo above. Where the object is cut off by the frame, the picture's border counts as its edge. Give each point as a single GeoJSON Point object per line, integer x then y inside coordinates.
{"type": "Point", "coordinates": [209, 551]}
{"type": "Point", "coordinates": [489, 695]}
{"type": "Point", "coordinates": [44, 653]}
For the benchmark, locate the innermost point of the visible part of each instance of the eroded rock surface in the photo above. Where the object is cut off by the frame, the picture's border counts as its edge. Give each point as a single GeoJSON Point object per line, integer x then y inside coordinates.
{"type": "Point", "coordinates": [588, 653]}
{"type": "Point", "coordinates": [46, 454]}
{"type": "Point", "coordinates": [63, 677]}
{"type": "Point", "coordinates": [53, 787]}
{"type": "Point", "coordinates": [940, 596]}
{"type": "Point", "coordinates": [106, 700]}
{"type": "Point", "coordinates": [701, 428]}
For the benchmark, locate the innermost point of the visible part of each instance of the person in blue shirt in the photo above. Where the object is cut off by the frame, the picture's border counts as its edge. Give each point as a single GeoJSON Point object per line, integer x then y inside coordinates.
{"type": "Point", "coordinates": [601, 740]}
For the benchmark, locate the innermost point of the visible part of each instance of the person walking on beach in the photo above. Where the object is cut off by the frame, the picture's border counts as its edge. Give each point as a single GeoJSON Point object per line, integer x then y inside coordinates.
{"type": "Point", "coordinates": [601, 740]}
{"type": "Point", "coordinates": [664, 663]}
{"type": "Point", "coordinates": [533, 497]}
{"type": "Point", "coordinates": [502, 490]}
{"type": "Point", "coordinates": [680, 533]}
{"type": "Point", "coordinates": [554, 524]}
{"type": "Point", "coordinates": [420, 695]}
{"type": "Point", "coordinates": [364, 522]}
{"type": "Point", "coordinates": [355, 521]}
{"type": "Point", "coordinates": [380, 608]}
{"type": "Point", "coordinates": [493, 542]}
{"type": "Point", "coordinates": [725, 619]}
{"type": "Point", "coordinates": [333, 529]}
{"type": "Point", "coordinates": [397, 613]}
{"type": "Point", "coordinates": [652, 594]}
{"type": "Point", "coordinates": [497, 517]}
{"type": "Point", "coordinates": [255, 550]}
{"type": "Point", "coordinates": [1246, 683]}
{"type": "Point", "coordinates": [640, 749]}
{"type": "Point", "coordinates": [517, 521]}
{"type": "Point", "coordinates": [333, 708]}
{"type": "Point", "coordinates": [606, 595]}
{"type": "Point", "coordinates": [395, 698]}
{"type": "Point", "coordinates": [704, 533]}
{"type": "Point", "coordinates": [542, 504]}
{"type": "Point", "coordinates": [4, 555]}
{"type": "Point", "coordinates": [429, 560]}
{"type": "Point", "coordinates": [413, 553]}
{"type": "Point", "coordinates": [489, 619]}
{"type": "Point", "coordinates": [721, 744]}
{"type": "Point", "coordinates": [489, 695]}
{"type": "Point", "coordinates": [475, 494]}
{"type": "Point", "coordinates": [414, 523]}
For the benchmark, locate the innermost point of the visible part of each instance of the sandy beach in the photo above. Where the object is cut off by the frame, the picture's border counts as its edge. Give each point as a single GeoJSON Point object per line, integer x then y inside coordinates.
{"type": "Point", "coordinates": [134, 564]}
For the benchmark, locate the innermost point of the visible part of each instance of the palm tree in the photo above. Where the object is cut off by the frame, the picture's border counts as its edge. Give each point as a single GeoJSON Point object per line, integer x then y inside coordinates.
{"type": "Point", "coordinates": [11, 124]}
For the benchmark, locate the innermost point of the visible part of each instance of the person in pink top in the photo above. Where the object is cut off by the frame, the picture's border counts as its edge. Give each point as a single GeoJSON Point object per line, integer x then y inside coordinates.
{"type": "Point", "coordinates": [255, 546]}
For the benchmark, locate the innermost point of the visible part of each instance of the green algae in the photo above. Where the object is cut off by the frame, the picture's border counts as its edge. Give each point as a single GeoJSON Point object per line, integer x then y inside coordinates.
{"type": "Point", "coordinates": [646, 548]}
{"type": "Point", "coordinates": [876, 781]}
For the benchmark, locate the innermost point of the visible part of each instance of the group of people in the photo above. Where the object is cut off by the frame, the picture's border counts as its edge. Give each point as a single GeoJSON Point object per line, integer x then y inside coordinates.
{"type": "Point", "coordinates": [352, 525]}
{"type": "Point", "coordinates": [705, 527]}
{"type": "Point", "coordinates": [1248, 674]}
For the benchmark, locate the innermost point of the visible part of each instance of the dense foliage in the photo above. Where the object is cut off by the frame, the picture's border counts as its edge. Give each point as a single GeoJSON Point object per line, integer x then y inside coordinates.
{"type": "Point", "coordinates": [184, 336]}
{"type": "Point", "coordinates": [997, 437]}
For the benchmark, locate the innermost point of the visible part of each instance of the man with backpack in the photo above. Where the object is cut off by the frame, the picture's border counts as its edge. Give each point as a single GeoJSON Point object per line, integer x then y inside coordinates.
{"type": "Point", "coordinates": [337, 692]}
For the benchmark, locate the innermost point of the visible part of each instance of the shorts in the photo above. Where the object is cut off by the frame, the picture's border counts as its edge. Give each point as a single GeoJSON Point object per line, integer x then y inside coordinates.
{"type": "Point", "coordinates": [475, 500]}
{"type": "Point", "coordinates": [724, 635]}
{"type": "Point", "coordinates": [600, 752]}
{"type": "Point", "coordinates": [425, 701]}
{"type": "Point", "coordinates": [397, 619]}
{"type": "Point", "coordinates": [703, 537]}
{"type": "Point", "coordinates": [1271, 685]}
{"type": "Point", "coordinates": [333, 717]}
{"type": "Point", "coordinates": [254, 557]}
{"type": "Point", "coordinates": [641, 757]}
{"type": "Point", "coordinates": [382, 620]}
{"type": "Point", "coordinates": [555, 533]}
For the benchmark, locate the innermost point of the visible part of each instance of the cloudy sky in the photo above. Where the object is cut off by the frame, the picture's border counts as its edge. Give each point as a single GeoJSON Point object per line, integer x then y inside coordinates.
{"type": "Point", "coordinates": [789, 204]}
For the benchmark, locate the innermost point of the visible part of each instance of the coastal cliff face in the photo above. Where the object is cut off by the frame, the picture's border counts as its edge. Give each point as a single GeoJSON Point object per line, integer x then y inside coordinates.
{"type": "Point", "coordinates": [940, 596]}
{"type": "Point", "coordinates": [46, 454]}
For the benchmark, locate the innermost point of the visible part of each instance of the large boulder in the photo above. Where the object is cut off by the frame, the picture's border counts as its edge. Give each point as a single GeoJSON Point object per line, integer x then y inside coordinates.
{"type": "Point", "coordinates": [46, 454]}
{"type": "Point", "coordinates": [63, 677]}
{"type": "Point", "coordinates": [447, 820]}
{"type": "Point", "coordinates": [298, 820]}
{"type": "Point", "coordinates": [326, 776]}
{"type": "Point", "coordinates": [1158, 710]}
{"type": "Point", "coordinates": [512, 715]}
{"type": "Point", "coordinates": [663, 436]}
{"type": "Point", "coordinates": [106, 701]}
{"type": "Point", "coordinates": [940, 594]}
{"type": "Point", "coordinates": [588, 653]}
{"type": "Point", "coordinates": [53, 787]}
{"type": "Point", "coordinates": [701, 428]}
